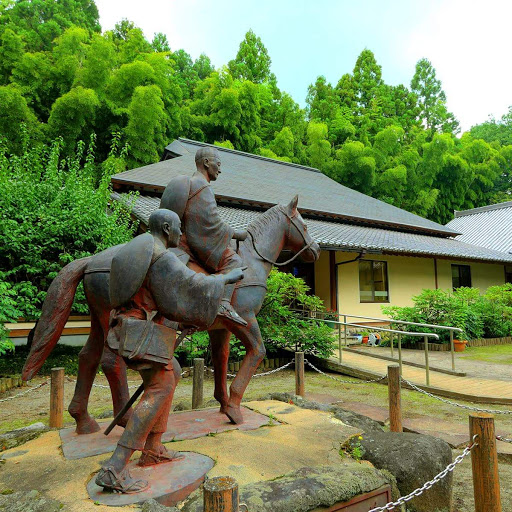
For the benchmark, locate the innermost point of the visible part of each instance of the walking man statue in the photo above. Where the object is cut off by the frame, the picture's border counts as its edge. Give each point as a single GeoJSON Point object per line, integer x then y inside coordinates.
{"type": "Point", "coordinates": [149, 288]}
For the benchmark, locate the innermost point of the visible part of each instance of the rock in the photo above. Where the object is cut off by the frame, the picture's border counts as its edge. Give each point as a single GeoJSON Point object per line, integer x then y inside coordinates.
{"type": "Point", "coordinates": [154, 506]}
{"type": "Point", "coordinates": [19, 436]}
{"type": "Point", "coordinates": [180, 406]}
{"type": "Point", "coordinates": [306, 489]}
{"type": "Point", "coordinates": [413, 459]}
{"type": "Point", "coordinates": [31, 501]}
{"type": "Point", "coordinates": [348, 417]}
{"type": "Point", "coordinates": [105, 414]}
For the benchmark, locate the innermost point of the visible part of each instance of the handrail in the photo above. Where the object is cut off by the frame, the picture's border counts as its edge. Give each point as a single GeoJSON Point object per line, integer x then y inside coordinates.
{"type": "Point", "coordinates": [390, 320]}
{"type": "Point", "coordinates": [423, 334]}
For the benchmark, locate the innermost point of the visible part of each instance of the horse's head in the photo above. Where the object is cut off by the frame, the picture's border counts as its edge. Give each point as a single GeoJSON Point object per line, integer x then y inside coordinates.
{"type": "Point", "coordinates": [298, 236]}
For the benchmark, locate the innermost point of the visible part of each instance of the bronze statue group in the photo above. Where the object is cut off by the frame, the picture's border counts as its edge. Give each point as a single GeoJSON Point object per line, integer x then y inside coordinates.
{"type": "Point", "coordinates": [184, 275]}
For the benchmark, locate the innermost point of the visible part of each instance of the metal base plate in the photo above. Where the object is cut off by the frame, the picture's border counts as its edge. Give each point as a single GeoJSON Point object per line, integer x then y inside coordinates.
{"type": "Point", "coordinates": [170, 482]}
{"type": "Point", "coordinates": [180, 426]}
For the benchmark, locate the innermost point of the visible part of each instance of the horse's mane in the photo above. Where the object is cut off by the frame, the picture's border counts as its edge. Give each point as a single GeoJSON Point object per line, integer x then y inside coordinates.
{"type": "Point", "coordinates": [258, 226]}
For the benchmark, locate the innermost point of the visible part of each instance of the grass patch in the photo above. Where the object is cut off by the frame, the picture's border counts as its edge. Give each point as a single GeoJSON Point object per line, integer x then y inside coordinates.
{"type": "Point", "coordinates": [501, 354]}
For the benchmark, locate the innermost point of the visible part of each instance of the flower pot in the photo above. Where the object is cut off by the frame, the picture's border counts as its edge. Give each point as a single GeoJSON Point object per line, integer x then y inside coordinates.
{"type": "Point", "coordinates": [365, 340]}
{"type": "Point", "coordinates": [459, 345]}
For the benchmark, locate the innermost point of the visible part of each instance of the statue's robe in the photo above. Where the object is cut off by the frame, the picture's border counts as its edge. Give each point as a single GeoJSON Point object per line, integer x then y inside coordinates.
{"type": "Point", "coordinates": [205, 235]}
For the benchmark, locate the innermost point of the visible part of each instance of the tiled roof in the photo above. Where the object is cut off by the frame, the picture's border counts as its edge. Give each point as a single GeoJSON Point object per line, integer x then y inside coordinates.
{"type": "Point", "coordinates": [337, 235]}
{"type": "Point", "coordinates": [251, 179]}
{"type": "Point", "coordinates": [488, 226]}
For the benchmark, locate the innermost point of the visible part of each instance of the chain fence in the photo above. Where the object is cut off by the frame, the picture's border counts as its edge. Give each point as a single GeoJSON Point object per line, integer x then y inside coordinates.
{"type": "Point", "coordinates": [343, 380]}
{"type": "Point", "coordinates": [450, 402]}
{"type": "Point", "coordinates": [25, 392]}
{"type": "Point", "coordinates": [504, 439]}
{"type": "Point", "coordinates": [427, 485]}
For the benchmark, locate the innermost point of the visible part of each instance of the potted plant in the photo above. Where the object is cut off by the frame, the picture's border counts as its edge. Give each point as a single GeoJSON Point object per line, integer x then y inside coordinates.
{"type": "Point", "coordinates": [330, 317]}
{"type": "Point", "coordinates": [459, 345]}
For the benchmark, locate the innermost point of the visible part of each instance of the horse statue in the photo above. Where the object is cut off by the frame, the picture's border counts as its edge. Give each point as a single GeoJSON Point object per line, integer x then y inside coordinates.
{"type": "Point", "coordinates": [279, 228]}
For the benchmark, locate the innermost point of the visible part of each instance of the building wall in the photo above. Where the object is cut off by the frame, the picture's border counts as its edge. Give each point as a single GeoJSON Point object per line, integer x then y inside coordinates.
{"type": "Point", "coordinates": [407, 276]}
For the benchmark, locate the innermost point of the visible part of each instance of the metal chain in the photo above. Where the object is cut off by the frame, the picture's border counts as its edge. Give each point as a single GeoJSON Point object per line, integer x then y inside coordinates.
{"type": "Point", "coordinates": [24, 392]}
{"type": "Point", "coordinates": [342, 380]}
{"type": "Point", "coordinates": [468, 407]}
{"type": "Point", "coordinates": [420, 490]}
{"type": "Point", "coordinates": [275, 370]}
{"type": "Point", "coordinates": [504, 439]}
{"type": "Point", "coordinates": [243, 505]}
{"type": "Point", "coordinates": [69, 379]}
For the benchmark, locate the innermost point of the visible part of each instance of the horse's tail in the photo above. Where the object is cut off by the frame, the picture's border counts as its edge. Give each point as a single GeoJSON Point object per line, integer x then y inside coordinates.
{"type": "Point", "coordinates": [54, 315]}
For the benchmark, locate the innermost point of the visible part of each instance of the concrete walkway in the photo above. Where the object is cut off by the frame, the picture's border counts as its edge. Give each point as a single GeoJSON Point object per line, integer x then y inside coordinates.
{"type": "Point", "coordinates": [474, 389]}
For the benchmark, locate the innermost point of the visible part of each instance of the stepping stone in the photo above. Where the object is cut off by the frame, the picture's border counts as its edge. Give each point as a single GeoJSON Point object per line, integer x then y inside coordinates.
{"type": "Point", "coordinates": [180, 426]}
{"type": "Point", "coordinates": [169, 483]}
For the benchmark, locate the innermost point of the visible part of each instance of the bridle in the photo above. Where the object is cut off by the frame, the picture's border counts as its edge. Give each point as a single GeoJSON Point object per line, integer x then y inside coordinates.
{"type": "Point", "coordinates": [296, 255]}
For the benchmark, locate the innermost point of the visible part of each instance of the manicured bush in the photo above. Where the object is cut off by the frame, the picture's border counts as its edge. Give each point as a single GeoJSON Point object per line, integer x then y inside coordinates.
{"type": "Point", "coordinates": [488, 315]}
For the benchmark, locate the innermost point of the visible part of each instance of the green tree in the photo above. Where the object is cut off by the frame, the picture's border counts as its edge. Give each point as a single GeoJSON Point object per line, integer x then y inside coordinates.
{"type": "Point", "coordinates": [354, 167]}
{"type": "Point", "coordinates": [321, 101]}
{"type": "Point", "coordinates": [252, 62]}
{"type": "Point", "coordinates": [319, 148]}
{"type": "Point", "coordinates": [432, 99]}
{"type": "Point", "coordinates": [160, 43]}
{"type": "Point", "coordinates": [11, 51]}
{"type": "Point", "coordinates": [367, 78]}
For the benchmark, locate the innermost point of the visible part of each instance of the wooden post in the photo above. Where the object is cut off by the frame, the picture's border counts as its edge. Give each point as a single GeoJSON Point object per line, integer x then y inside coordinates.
{"type": "Point", "coordinates": [395, 400]}
{"type": "Point", "coordinates": [3, 385]}
{"type": "Point", "coordinates": [299, 374]}
{"type": "Point", "coordinates": [197, 383]}
{"type": "Point", "coordinates": [427, 369]}
{"type": "Point", "coordinates": [220, 495]}
{"type": "Point", "coordinates": [484, 461]}
{"type": "Point", "coordinates": [57, 398]}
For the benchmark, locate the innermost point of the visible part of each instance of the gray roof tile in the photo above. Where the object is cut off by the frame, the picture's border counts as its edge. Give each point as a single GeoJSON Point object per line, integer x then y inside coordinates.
{"type": "Point", "coordinates": [337, 235]}
{"type": "Point", "coordinates": [254, 179]}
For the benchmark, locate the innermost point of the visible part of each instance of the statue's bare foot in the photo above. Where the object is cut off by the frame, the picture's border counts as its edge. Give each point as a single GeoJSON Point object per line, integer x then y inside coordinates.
{"type": "Point", "coordinates": [86, 425]}
{"type": "Point", "coordinates": [234, 414]}
{"type": "Point", "coordinates": [158, 456]}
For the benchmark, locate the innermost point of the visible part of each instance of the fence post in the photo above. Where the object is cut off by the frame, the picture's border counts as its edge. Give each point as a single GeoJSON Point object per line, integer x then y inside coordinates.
{"type": "Point", "coordinates": [400, 352]}
{"type": "Point", "coordinates": [57, 398]}
{"type": "Point", "coordinates": [391, 344]}
{"type": "Point", "coordinates": [345, 322]}
{"type": "Point", "coordinates": [452, 349]}
{"type": "Point", "coordinates": [197, 383]}
{"type": "Point", "coordinates": [299, 374]}
{"type": "Point", "coordinates": [427, 369]}
{"type": "Point", "coordinates": [220, 494]}
{"type": "Point", "coordinates": [395, 400]}
{"type": "Point", "coordinates": [484, 461]}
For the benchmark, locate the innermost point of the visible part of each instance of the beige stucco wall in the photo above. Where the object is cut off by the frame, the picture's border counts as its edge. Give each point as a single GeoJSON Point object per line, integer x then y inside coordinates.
{"type": "Point", "coordinates": [407, 277]}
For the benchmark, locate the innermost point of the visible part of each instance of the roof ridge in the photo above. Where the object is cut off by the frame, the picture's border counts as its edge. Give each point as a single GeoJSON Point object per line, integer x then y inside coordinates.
{"type": "Point", "coordinates": [251, 155]}
{"type": "Point", "coordinates": [480, 209]}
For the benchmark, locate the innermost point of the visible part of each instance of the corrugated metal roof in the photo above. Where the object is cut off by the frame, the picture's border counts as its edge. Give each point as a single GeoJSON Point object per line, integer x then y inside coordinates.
{"type": "Point", "coordinates": [489, 226]}
{"type": "Point", "coordinates": [336, 235]}
{"type": "Point", "coordinates": [252, 179]}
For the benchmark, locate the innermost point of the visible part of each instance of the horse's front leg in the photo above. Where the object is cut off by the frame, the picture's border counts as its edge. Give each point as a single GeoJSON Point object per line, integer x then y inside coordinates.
{"type": "Point", "coordinates": [250, 337]}
{"type": "Point", "coordinates": [219, 340]}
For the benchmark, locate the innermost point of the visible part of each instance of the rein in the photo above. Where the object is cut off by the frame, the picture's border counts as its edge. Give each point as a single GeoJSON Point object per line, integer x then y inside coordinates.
{"type": "Point", "coordinates": [296, 255]}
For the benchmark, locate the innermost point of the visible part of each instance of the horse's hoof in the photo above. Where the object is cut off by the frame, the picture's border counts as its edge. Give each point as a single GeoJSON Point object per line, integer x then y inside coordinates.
{"type": "Point", "coordinates": [234, 414]}
{"type": "Point", "coordinates": [87, 427]}
{"type": "Point", "coordinates": [223, 409]}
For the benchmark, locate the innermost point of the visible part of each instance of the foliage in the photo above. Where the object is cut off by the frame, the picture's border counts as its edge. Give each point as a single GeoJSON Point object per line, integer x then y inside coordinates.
{"type": "Point", "coordinates": [488, 315]}
{"type": "Point", "coordinates": [62, 77]}
{"type": "Point", "coordinates": [281, 327]}
{"type": "Point", "coordinates": [51, 213]}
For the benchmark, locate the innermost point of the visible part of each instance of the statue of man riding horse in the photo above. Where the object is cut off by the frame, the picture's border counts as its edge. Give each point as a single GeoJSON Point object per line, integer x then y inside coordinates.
{"type": "Point", "coordinates": [204, 247]}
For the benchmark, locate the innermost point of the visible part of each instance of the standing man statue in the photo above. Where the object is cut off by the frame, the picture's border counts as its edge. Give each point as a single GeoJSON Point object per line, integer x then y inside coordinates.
{"type": "Point", "coordinates": [206, 237]}
{"type": "Point", "coordinates": [150, 286]}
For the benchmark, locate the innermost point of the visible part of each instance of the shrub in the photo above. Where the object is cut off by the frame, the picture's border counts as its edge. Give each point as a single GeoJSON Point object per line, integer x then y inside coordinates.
{"type": "Point", "coordinates": [52, 211]}
{"type": "Point", "coordinates": [488, 315]}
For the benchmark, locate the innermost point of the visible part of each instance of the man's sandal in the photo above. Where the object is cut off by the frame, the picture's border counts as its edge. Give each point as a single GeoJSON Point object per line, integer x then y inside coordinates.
{"type": "Point", "coordinates": [151, 458]}
{"type": "Point", "coordinates": [121, 482]}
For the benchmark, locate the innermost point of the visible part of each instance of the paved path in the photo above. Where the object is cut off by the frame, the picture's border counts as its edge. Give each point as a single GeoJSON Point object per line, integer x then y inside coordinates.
{"type": "Point", "coordinates": [480, 389]}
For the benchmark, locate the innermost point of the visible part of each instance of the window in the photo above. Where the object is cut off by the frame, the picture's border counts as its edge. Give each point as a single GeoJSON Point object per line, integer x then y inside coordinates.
{"type": "Point", "coordinates": [461, 276]}
{"type": "Point", "coordinates": [508, 273]}
{"type": "Point", "coordinates": [373, 281]}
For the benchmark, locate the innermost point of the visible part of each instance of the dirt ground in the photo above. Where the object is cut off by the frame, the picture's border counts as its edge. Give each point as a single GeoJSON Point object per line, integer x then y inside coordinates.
{"type": "Point", "coordinates": [34, 407]}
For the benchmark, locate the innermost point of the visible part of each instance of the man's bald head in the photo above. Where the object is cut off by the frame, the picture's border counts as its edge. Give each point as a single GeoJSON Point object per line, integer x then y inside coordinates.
{"type": "Point", "coordinates": [205, 152]}
{"type": "Point", "coordinates": [166, 225]}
